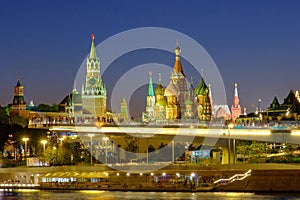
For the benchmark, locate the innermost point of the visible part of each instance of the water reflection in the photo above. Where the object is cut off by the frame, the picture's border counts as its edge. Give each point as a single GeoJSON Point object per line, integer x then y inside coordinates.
{"type": "Point", "coordinates": [105, 195]}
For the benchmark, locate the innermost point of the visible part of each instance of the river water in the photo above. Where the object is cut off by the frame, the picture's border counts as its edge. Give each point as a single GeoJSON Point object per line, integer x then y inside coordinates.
{"type": "Point", "coordinates": [107, 195]}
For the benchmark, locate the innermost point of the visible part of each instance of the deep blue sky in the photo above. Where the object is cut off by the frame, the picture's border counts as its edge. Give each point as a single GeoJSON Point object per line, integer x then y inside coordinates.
{"type": "Point", "coordinates": [254, 43]}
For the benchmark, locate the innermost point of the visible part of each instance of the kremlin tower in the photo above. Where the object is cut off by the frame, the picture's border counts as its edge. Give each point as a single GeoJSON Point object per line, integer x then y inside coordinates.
{"type": "Point", "coordinates": [19, 104]}
{"type": "Point", "coordinates": [94, 91]}
{"type": "Point", "coordinates": [236, 108]}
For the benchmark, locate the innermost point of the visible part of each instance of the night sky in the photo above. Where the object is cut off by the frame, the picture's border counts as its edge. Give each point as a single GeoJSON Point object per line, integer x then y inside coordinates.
{"type": "Point", "coordinates": [253, 43]}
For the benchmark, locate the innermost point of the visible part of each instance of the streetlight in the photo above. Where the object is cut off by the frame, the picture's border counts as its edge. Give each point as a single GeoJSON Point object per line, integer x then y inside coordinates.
{"type": "Point", "coordinates": [44, 142]}
{"type": "Point", "coordinates": [259, 101]}
{"type": "Point", "coordinates": [62, 139]}
{"type": "Point", "coordinates": [105, 139]}
{"type": "Point", "coordinates": [229, 127]}
{"type": "Point", "coordinates": [91, 136]}
{"type": "Point", "coordinates": [25, 150]}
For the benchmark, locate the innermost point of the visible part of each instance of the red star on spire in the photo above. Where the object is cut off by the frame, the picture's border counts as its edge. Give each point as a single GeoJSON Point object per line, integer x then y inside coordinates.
{"type": "Point", "coordinates": [93, 36]}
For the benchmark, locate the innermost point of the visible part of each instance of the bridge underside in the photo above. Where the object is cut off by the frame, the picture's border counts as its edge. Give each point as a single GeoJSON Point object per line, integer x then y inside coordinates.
{"type": "Point", "coordinates": [174, 137]}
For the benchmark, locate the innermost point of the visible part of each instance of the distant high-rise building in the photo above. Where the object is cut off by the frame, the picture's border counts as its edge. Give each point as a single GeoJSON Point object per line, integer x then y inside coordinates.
{"type": "Point", "coordinates": [236, 108]}
{"type": "Point", "coordinates": [94, 91]}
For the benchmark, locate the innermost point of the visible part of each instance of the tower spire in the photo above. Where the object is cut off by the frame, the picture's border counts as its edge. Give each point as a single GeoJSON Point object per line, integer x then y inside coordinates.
{"type": "Point", "coordinates": [150, 87]}
{"type": "Point", "coordinates": [93, 52]}
{"type": "Point", "coordinates": [236, 94]}
{"type": "Point", "coordinates": [177, 65]}
{"type": "Point", "coordinates": [236, 100]}
{"type": "Point", "coordinates": [236, 108]}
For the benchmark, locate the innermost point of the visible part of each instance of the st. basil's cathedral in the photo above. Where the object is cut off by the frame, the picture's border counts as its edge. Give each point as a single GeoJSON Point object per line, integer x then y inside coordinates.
{"type": "Point", "coordinates": [176, 101]}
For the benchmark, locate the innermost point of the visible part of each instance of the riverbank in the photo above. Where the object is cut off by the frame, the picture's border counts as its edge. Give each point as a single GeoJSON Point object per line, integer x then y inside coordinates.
{"type": "Point", "coordinates": [173, 178]}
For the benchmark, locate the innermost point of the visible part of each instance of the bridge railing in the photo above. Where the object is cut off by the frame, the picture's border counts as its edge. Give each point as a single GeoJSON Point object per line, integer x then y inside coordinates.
{"type": "Point", "coordinates": [233, 178]}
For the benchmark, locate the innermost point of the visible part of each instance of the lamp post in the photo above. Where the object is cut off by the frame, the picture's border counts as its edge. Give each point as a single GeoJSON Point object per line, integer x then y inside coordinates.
{"type": "Point", "coordinates": [259, 101]}
{"type": "Point", "coordinates": [44, 142]}
{"type": "Point", "coordinates": [105, 139]}
{"type": "Point", "coordinates": [91, 137]}
{"type": "Point", "coordinates": [230, 126]}
{"type": "Point", "coordinates": [25, 150]}
{"type": "Point", "coordinates": [62, 139]}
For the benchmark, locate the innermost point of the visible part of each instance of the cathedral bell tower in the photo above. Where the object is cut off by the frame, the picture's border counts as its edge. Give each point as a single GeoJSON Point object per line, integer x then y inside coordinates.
{"type": "Point", "coordinates": [178, 78]}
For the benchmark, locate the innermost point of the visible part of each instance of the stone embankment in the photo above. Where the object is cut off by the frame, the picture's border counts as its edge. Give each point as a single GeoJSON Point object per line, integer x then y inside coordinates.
{"type": "Point", "coordinates": [266, 181]}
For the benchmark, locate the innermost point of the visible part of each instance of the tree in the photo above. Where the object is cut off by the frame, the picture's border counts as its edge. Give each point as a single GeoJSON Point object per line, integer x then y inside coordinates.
{"type": "Point", "coordinates": [256, 150]}
{"type": "Point", "coordinates": [151, 148]}
{"type": "Point", "coordinates": [66, 153]}
{"type": "Point", "coordinates": [4, 118]}
{"type": "Point", "coordinates": [132, 143]}
{"type": "Point", "coordinates": [162, 145]}
{"type": "Point", "coordinates": [48, 108]}
{"type": "Point", "coordinates": [19, 121]}
{"type": "Point", "coordinates": [243, 148]}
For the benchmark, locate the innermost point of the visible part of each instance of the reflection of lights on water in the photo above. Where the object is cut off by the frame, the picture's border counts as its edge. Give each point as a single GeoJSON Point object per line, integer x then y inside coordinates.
{"type": "Point", "coordinates": [92, 191]}
{"type": "Point", "coordinates": [28, 190]}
